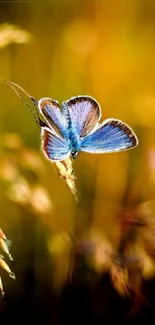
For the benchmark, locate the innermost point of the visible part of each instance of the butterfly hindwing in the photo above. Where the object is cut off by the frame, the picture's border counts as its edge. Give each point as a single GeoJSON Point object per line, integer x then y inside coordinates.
{"type": "Point", "coordinates": [83, 112]}
{"type": "Point", "coordinates": [50, 110]}
{"type": "Point", "coordinates": [54, 147]}
{"type": "Point", "coordinates": [111, 136]}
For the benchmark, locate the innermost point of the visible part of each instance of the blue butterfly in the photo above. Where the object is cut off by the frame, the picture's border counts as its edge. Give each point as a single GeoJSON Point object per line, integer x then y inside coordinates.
{"type": "Point", "coordinates": [75, 127]}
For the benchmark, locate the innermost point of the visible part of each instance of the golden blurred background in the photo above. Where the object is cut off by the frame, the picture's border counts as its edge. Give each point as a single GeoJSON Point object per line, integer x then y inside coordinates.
{"type": "Point", "coordinates": [61, 49]}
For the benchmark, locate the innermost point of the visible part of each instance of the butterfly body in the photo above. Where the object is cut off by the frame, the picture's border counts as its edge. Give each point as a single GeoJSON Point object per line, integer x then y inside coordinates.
{"type": "Point", "coordinates": [75, 145]}
{"type": "Point", "coordinates": [74, 142]}
{"type": "Point", "coordinates": [71, 132]}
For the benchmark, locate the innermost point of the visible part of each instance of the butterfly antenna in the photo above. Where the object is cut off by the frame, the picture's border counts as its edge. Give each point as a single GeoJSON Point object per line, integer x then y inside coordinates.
{"type": "Point", "coordinates": [34, 101]}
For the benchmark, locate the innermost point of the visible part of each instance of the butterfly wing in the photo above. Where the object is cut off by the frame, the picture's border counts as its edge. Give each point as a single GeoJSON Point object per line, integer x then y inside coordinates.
{"type": "Point", "coordinates": [83, 112]}
{"type": "Point", "coordinates": [54, 147]}
{"type": "Point", "coordinates": [50, 110]}
{"type": "Point", "coordinates": [111, 136]}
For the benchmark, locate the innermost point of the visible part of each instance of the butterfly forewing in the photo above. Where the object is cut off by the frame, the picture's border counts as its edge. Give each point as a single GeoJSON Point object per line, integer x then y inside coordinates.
{"type": "Point", "coordinates": [83, 112]}
{"type": "Point", "coordinates": [111, 136]}
{"type": "Point", "coordinates": [50, 110]}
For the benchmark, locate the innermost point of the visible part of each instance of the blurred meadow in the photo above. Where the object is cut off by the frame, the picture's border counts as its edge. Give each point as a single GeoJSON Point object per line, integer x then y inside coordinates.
{"type": "Point", "coordinates": [61, 49]}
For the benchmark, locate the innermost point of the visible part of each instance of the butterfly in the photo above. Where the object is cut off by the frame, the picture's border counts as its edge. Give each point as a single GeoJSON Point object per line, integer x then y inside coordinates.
{"type": "Point", "coordinates": [76, 127]}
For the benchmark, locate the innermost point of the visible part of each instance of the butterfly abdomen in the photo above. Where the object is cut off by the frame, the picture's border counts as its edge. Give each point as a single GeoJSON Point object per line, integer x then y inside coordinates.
{"type": "Point", "coordinates": [75, 144]}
